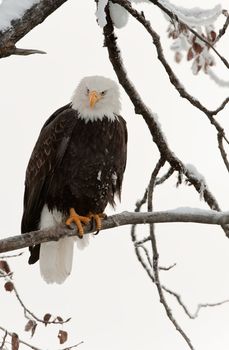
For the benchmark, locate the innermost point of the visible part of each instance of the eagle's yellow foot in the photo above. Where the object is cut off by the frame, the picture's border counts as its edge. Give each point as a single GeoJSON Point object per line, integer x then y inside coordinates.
{"type": "Point", "coordinates": [78, 220]}
{"type": "Point", "coordinates": [98, 220]}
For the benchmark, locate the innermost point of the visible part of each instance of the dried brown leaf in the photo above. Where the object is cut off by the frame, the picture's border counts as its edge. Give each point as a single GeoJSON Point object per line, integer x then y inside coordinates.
{"type": "Point", "coordinates": [4, 266]}
{"type": "Point", "coordinates": [9, 286]}
{"type": "Point", "coordinates": [46, 318]}
{"type": "Point", "coordinates": [178, 57]}
{"type": "Point", "coordinates": [14, 341]}
{"type": "Point", "coordinates": [212, 35]}
{"type": "Point", "coordinates": [197, 47]}
{"type": "Point", "coordinates": [31, 326]}
{"type": "Point", "coordinates": [63, 336]}
{"type": "Point", "coordinates": [33, 329]}
{"type": "Point", "coordinates": [60, 319]}
{"type": "Point", "coordinates": [190, 54]}
{"type": "Point", "coordinates": [28, 326]}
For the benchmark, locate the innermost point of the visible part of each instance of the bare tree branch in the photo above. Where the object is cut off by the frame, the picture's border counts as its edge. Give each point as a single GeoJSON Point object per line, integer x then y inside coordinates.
{"type": "Point", "coordinates": [199, 306]}
{"type": "Point", "coordinates": [155, 264]}
{"type": "Point", "coordinates": [150, 119]}
{"type": "Point", "coordinates": [20, 340]}
{"type": "Point", "coordinates": [11, 334]}
{"type": "Point", "coordinates": [3, 340]}
{"type": "Point", "coordinates": [27, 311]}
{"type": "Point", "coordinates": [166, 176]}
{"type": "Point", "coordinates": [173, 78]}
{"type": "Point", "coordinates": [2, 257]}
{"type": "Point", "coordinates": [225, 26]}
{"type": "Point", "coordinates": [222, 151]}
{"type": "Point", "coordinates": [20, 27]}
{"type": "Point", "coordinates": [190, 215]}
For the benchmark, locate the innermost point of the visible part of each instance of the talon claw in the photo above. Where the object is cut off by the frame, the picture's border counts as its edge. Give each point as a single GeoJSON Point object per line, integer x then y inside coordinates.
{"type": "Point", "coordinates": [78, 220]}
{"type": "Point", "coordinates": [97, 218]}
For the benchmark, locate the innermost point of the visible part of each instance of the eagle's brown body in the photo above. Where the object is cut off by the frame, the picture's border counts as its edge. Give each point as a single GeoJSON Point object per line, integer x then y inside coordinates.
{"type": "Point", "coordinates": [75, 164]}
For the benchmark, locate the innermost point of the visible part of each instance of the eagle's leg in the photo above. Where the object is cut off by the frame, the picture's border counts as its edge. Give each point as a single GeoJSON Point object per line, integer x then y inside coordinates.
{"type": "Point", "coordinates": [78, 220]}
{"type": "Point", "coordinates": [98, 219]}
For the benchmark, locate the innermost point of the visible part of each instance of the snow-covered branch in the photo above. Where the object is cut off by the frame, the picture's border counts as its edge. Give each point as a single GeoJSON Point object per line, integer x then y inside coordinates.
{"type": "Point", "coordinates": [190, 215]}
{"type": "Point", "coordinates": [17, 18]}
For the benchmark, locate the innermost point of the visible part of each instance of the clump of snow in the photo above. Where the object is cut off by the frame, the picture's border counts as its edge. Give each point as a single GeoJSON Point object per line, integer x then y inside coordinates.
{"type": "Point", "coordinates": [114, 178]}
{"type": "Point", "coordinates": [100, 13]}
{"type": "Point", "coordinates": [193, 211]}
{"type": "Point", "coordinates": [194, 173]}
{"type": "Point", "coordinates": [119, 15]}
{"type": "Point", "coordinates": [194, 16]}
{"type": "Point", "coordinates": [216, 79]}
{"type": "Point", "coordinates": [12, 10]}
{"type": "Point", "coordinates": [99, 175]}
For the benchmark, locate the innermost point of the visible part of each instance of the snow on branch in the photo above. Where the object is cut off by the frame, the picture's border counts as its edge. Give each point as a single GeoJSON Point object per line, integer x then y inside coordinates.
{"type": "Point", "coordinates": [118, 14]}
{"type": "Point", "coordinates": [100, 13]}
{"type": "Point", "coordinates": [17, 18]}
{"type": "Point", "coordinates": [11, 10]}
{"type": "Point", "coordinates": [194, 16]}
{"type": "Point", "coordinates": [191, 215]}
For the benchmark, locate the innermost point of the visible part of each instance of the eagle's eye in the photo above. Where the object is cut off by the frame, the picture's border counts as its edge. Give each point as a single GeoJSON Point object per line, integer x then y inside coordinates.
{"type": "Point", "coordinates": [103, 92]}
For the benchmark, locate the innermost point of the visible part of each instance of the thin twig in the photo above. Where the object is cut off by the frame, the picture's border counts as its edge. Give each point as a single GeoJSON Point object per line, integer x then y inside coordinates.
{"type": "Point", "coordinates": [27, 311]}
{"type": "Point", "coordinates": [222, 151]}
{"type": "Point", "coordinates": [8, 278]}
{"type": "Point", "coordinates": [26, 52]}
{"type": "Point", "coordinates": [73, 346]}
{"type": "Point", "coordinates": [142, 241]}
{"type": "Point", "coordinates": [138, 254]}
{"type": "Point", "coordinates": [156, 257]}
{"type": "Point", "coordinates": [142, 201]}
{"type": "Point", "coordinates": [20, 340]}
{"type": "Point", "coordinates": [4, 340]}
{"type": "Point", "coordinates": [32, 346]}
{"type": "Point", "coordinates": [146, 254]}
{"type": "Point", "coordinates": [199, 306]}
{"type": "Point", "coordinates": [225, 26]}
{"type": "Point", "coordinates": [165, 177]}
{"type": "Point", "coordinates": [167, 268]}
{"type": "Point", "coordinates": [2, 257]}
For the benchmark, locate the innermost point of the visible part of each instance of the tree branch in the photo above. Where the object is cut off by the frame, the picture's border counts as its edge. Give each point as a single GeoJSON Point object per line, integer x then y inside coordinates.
{"type": "Point", "coordinates": [148, 116]}
{"type": "Point", "coordinates": [20, 27]}
{"type": "Point", "coordinates": [155, 252]}
{"type": "Point", "coordinates": [190, 215]}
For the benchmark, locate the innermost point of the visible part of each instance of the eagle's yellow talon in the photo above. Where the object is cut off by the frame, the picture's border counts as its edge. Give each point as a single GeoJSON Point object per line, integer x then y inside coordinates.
{"type": "Point", "coordinates": [78, 220]}
{"type": "Point", "coordinates": [98, 220]}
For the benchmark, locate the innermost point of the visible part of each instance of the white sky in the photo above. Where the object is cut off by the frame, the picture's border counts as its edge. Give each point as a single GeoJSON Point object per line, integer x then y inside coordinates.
{"type": "Point", "coordinates": [112, 303]}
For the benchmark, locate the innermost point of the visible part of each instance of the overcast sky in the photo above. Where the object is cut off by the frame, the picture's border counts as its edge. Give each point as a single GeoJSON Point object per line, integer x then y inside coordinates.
{"type": "Point", "coordinates": [112, 302]}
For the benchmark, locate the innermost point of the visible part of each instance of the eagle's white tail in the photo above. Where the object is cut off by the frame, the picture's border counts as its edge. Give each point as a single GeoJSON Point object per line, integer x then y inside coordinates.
{"type": "Point", "coordinates": [55, 257]}
{"type": "Point", "coordinates": [56, 260]}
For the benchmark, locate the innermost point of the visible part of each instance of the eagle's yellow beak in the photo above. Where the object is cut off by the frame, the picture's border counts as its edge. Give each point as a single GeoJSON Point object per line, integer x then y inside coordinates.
{"type": "Point", "coordinates": [94, 97]}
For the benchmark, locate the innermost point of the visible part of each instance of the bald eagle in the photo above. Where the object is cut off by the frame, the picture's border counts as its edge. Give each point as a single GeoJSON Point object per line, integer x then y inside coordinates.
{"type": "Point", "coordinates": [75, 170]}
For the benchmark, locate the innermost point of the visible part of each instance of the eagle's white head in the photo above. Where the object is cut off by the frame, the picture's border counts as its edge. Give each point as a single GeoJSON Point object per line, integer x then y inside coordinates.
{"type": "Point", "coordinates": [96, 97]}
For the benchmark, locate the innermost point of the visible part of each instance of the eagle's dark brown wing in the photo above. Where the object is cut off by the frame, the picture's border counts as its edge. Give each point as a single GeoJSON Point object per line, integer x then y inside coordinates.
{"type": "Point", "coordinates": [121, 160]}
{"type": "Point", "coordinates": [46, 156]}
